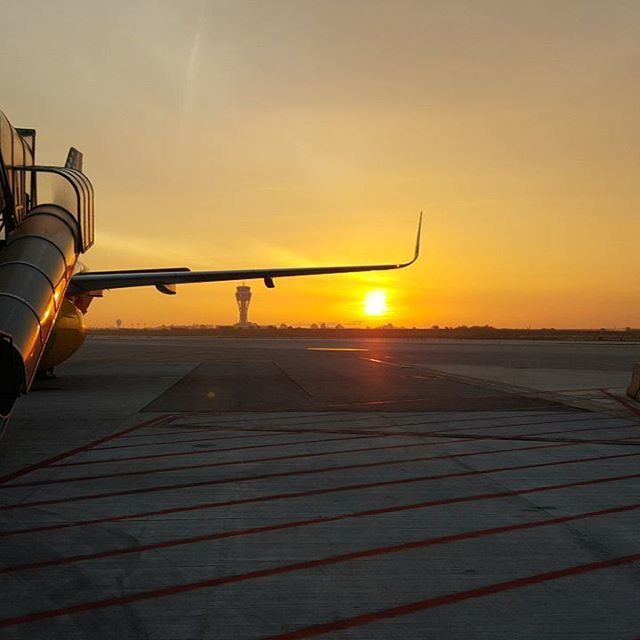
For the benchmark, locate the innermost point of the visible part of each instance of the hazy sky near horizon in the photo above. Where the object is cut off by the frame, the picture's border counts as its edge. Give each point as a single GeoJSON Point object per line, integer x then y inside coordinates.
{"type": "Point", "coordinates": [233, 134]}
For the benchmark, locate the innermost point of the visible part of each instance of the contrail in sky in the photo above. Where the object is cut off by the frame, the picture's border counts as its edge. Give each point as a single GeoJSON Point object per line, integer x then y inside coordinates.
{"type": "Point", "coordinates": [190, 69]}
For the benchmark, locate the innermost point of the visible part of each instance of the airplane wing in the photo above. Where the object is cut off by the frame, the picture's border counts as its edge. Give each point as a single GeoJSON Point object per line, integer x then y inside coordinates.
{"type": "Point", "coordinates": [166, 279]}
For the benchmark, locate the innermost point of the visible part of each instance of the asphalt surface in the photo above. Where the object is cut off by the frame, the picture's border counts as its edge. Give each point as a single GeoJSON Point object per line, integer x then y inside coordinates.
{"type": "Point", "coordinates": [193, 488]}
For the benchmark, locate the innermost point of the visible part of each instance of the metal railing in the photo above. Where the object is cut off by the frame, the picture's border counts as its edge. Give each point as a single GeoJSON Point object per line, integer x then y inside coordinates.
{"type": "Point", "coordinates": [15, 151]}
{"type": "Point", "coordinates": [78, 201]}
{"type": "Point", "coordinates": [66, 187]}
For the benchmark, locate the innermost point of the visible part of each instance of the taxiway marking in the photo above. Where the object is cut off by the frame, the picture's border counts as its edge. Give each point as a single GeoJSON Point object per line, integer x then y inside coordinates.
{"type": "Point", "coordinates": [345, 623]}
{"type": "Point", "coordinates": [48, 462]}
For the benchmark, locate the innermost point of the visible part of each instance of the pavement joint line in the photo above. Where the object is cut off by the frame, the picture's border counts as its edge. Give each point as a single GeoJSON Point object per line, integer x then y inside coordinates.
{"type": "Point", "coordinates": [452, 598]}
{"type": "Point", "coordinates": [590, 418]}
{"type": "Point", "coordinates": [480, 436]}
{"type": "Point", "coordinates": [598, 428]}
{"type": "Point", "coordinates": [48, 462]}
{"type": "Point", "coordinates": [367, 432]}
{"type": "Point", "coordinates": [173, 442]}
{"type": "Point", "coordinates": [549, 396]}
{"type": "Point", "coordinates": [269, 417]}
{"type": "Point", "coordinates": [312, 492]}
{"type": "Point", "coordinates": [297, 456]}
{"type": "Point", "coordinates": [426, 433]}
{"type": "Point", "coordinates": [491, 426]}
{"type": "Point", "coordinates": [632, 408]}
{"type": "Point", "coordinates": [214, 450]}
{"type": "Point", "coordinates": [451, 440]}
{"type": "Point", "coordinates": [286, 431]}
{"type": "Point", "coordinates": [452, 431]}
{"type": "Point", "coordinates": [552, 432]}
{"type": "Point", "coordinates": [242, 424]}
{"type": "Point", "coordinates": [363, 406]}
{"type": "Point", "coordinates": [355, 405]}
{"type": "Point", "coordinates": [260, 434]}
{"type": "Point", "coordinates": [292, 379]}
{"type": "Point", "coordinates": [545, 419]}
{"type": "Point", "coordinates": [449, 433]}
{"type": "Point", "coordinates": [581, 390]}
{"type": "Point", "coordinates": [323, 416]}
{"type": "Point", "coordinates": [431, 503]}
{"type": "Point", "coordinates": [278, 474]}
{"type": "Point", "coordinates": [324, 628]}
{"type": "Point", "coordinates": [405, 546]}
{"type": "Point", "coordinates": [205, 429]}
{"type": "Point", "coordinates": [473, 415]}
{"type": "Point", "coordinates": [393, 417]}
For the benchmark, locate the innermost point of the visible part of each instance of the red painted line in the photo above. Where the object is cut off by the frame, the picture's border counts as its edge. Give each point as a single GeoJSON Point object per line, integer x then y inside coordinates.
{"type": "Point", "coordinates": [48, 462]}
{"type": "Point", "coordinates": [324, 520]}
{"type": "Point", "coordinates": [429, 503]}
{"type": "Point", "coordinates": [624, 402]}
{"type": "Point", "coordinates": [228, 463]}
{"type": "Point", "coordinates": [279, 474]}
{"type": "Point", "coordinates": [313, 492]}
{"type": "Point", "coordinates": [345, 623]}
{"type": "Point", "coordinates": [174, 454]}
{"type": "Point", "coordinates": [452, 598]}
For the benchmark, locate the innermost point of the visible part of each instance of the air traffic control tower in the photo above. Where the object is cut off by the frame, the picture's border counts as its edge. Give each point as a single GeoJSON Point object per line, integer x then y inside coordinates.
{"type": "Point", "coordinates": [243, 298]}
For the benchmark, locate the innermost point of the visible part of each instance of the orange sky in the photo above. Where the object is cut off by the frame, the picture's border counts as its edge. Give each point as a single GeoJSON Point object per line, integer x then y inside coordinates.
{"type": "Point", "coordinates": [234, 134]}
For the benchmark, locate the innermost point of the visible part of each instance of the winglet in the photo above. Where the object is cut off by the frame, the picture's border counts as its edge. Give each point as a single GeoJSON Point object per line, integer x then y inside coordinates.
{"type": "Point", "coordinates": [164, 278]}
{"type": "Point", "coordinates": [418, 236]}
{"type": "Point", "coordinates": [416, 253]}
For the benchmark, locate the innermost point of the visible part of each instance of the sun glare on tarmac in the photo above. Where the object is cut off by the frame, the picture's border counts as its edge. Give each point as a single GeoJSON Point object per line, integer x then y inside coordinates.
{"type": "Point", "coordinates": [335, 349]}
{"type": "Point", "coordinates": [375, 303]}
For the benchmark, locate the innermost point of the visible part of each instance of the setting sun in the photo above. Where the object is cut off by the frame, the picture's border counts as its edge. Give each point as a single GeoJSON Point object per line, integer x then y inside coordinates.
{"type": "Point", "coordinates": [375, 303]}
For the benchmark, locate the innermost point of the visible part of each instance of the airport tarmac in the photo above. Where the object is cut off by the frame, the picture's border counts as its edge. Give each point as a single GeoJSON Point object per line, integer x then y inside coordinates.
{"type": "Point", "coordinates": [187, 488]}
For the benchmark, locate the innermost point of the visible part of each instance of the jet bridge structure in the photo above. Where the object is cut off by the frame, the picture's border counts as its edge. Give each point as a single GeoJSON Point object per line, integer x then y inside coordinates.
{"type": "Point", "coordinates": [46, 221]}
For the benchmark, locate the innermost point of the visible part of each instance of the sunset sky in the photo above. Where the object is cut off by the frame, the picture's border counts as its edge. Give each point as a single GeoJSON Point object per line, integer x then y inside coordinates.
{"type": "Point", "coordinates": [234, 134]}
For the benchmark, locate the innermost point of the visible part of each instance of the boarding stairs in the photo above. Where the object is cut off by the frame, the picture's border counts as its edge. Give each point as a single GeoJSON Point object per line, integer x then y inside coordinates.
{"type": "Point", "coordinates": [46, 222]}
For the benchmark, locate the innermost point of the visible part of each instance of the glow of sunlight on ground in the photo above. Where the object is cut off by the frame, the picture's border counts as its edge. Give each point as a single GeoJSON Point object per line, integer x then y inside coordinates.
{"type": "Point", "coordinates": [375, 303]}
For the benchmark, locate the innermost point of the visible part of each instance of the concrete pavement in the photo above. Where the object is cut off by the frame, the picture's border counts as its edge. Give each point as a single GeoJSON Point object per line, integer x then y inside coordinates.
{"type": "Point", "coordinates": [232, 489]}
